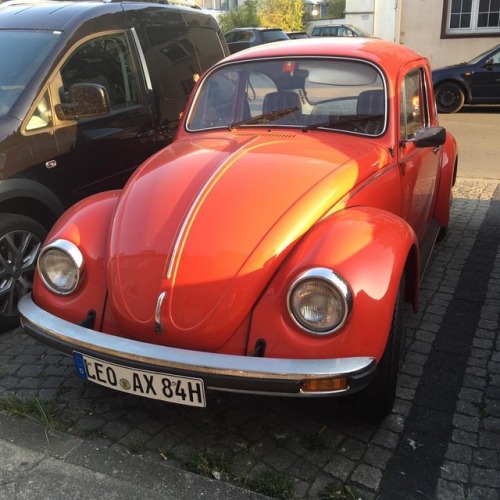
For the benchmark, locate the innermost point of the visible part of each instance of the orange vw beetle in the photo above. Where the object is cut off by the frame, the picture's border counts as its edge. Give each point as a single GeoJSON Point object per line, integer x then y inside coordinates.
{"type": "Point", "coordinates": [270, 248]}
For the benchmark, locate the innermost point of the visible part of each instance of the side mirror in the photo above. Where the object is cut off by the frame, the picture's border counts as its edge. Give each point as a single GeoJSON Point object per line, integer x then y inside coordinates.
{"type": "Point", "coordinates": [86, 100]}
{"type": "Point", "coordinates": [489, 64]}
{"type": "Point", "coordinates": [431, 137]}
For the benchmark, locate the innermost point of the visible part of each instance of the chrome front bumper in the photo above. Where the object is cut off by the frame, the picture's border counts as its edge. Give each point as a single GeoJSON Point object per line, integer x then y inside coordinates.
{"type": "Point", "coordinates": [223, 372]}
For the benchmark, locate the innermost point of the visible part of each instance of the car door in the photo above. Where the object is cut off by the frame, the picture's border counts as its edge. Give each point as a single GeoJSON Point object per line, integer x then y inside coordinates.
{"type": "Point", "coordinates": [486, 79]}
{"type": "Point", "coordinates": [99, 153]}
{"type": "Point", "coordinates": [419, 166]}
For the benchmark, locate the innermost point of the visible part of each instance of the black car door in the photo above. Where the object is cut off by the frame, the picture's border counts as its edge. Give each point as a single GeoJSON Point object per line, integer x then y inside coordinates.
{"type": "Point", "coordinates": [100, 153]}
{"type": "Point", "coordinates": [486, 79]}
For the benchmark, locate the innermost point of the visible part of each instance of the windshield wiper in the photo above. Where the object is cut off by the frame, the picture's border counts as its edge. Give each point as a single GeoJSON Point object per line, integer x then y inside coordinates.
{"type": "Point", "coordinates": [356, 121]}
{"type": "Point", "coordinates": [264, 118]}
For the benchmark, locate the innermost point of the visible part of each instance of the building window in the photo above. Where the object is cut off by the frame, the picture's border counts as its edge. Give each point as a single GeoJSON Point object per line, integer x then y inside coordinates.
{"type": "Point", "coordinates": [221, 5]}
{"type": "Point", "coordinates": [471, 17]}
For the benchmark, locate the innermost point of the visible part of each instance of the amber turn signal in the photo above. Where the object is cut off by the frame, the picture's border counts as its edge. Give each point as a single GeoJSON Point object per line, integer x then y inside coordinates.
{"type": "Point", "coordinates": [325, 385]}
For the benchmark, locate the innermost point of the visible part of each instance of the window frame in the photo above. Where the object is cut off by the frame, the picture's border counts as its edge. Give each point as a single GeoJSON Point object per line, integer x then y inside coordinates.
{"type": "Point", "coordinates": [472, 31]}
{"type": "Point", "coordinates": [410, 130]}
{"type": "Point", "coordinates": [130, 75]}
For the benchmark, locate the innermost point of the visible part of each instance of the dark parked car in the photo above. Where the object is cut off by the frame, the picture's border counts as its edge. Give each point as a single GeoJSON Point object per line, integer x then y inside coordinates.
{"type": "Point", "coordinates": [242, 38]}
{"type": "Point", "coordinates": [88, 91]}
{"type": "Point", "coordinates": [339, 30]}
{"type": "Point", "coordinates": [473, 82]}
{"type": "Point", "coordinates": [293, 35]}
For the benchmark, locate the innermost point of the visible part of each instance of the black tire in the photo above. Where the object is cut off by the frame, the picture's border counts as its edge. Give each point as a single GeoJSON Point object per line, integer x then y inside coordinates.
{"type": "Point", "coordinates": [21, 239]}
{"type": "Point", "coordinates": [376, 401]}
{"type": "Point", "coordinates": [449, 97]}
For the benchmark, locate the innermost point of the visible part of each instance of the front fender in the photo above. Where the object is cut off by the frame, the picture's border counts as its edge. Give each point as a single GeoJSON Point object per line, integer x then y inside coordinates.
{"type": "Point", "coordinates": [86, 224]}
{"type": "Point", "coordinates": [370, 248]}
{"type": "Point", "coordinates": [30, 198]}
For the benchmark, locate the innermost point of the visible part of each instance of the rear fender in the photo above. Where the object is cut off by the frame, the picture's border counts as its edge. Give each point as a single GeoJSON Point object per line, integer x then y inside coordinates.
{"type": "Point", "coordinates": [87, 225]}
{"type": "Point", "coordinates": [371, 249]}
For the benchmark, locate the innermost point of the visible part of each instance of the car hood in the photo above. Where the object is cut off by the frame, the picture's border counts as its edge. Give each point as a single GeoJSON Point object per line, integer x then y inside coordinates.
{"type": "Point", "coordinates": [209, 221]}
{"type": "Point", "coordinates": [454, 68]}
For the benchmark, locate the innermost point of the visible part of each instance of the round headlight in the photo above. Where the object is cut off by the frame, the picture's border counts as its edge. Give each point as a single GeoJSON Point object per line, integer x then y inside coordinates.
{"type": "Point", "coordinates": [319, 301]}
{"type": "Point", "coordinates": [60, 266]}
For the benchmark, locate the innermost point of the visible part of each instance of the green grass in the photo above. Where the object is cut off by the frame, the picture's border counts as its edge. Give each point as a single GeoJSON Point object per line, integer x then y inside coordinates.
{"type": "Point", "coordinates": [45, 413]}
{"type": "Point", "coordinates": [338, 491]}
{"type": "Point", "coordinates": [273, 485]}
{"type": "Point", "coordinates": [209, 463]}
{"type": "Point", "coordinates": [213, 464]}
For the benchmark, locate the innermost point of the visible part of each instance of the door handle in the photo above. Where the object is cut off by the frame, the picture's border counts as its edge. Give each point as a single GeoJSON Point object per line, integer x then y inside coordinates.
{"type": "Point", "coordinates": [145, 136]}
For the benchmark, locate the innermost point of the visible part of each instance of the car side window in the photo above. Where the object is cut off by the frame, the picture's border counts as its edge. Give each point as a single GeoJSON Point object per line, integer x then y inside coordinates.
{"type": "Point", "coordinates": [496, 58]}
{"type": "Point", "coordinates": [413, 113]}
{"type": "Point", "coordinates": [207, 43]}
{"type": "Point", "coordinates": [244, 36]}
{"type": "Point", "coordinates": [105, 60]}
{"type": "Point", "coordinates": [42, 114]}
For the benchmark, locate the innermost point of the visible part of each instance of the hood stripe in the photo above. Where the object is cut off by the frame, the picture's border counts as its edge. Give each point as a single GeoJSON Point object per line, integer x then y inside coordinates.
{"type": "Point", "coordinates": [195, 206]}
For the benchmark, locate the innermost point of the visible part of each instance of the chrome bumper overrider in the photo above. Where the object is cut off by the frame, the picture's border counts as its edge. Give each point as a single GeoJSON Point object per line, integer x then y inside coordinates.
{"type": "Point", "coordinates": [223, 372]}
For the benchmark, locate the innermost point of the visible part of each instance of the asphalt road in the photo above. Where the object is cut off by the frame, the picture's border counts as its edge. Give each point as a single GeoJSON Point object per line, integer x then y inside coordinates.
{"type": "Point", "coordinates": [477, 130]}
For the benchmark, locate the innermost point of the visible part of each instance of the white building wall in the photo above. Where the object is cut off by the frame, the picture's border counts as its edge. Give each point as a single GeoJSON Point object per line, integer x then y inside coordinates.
{"type": "Point", "coordinates": [361, 13]}
{"type": "Point", "coordinates": [386, 19]}
{"type": "Point", "coordinates": [421, 31]}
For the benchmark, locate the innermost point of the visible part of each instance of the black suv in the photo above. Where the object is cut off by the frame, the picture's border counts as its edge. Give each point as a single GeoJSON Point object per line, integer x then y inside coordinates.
{"type": "Point", "coordinates": [242, 38]}
{"type": "Point", "coordinates": [88, 90]}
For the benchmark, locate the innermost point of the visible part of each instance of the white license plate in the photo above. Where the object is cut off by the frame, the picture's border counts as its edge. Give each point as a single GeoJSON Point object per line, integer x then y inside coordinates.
{"type": "Point", "coordinates": [180, 390]}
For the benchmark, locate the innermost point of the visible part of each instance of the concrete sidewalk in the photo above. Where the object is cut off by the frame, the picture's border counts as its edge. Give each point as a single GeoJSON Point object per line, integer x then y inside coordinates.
{"type": "Point", "coordinates": [36, 463]}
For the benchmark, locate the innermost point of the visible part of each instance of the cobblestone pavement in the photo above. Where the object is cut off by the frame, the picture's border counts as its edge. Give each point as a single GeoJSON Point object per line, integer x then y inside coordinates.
{"type": "Point", "coordinates": [441, 441]}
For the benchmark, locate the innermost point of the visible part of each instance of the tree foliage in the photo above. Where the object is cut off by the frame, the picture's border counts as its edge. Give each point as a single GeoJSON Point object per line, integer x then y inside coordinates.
{"type": "Point", "coordinates": [244, 16]}
{"type": "Point", "coordinates": [335, 9]}
{"type": "Point", "coordinates": [285, 14]}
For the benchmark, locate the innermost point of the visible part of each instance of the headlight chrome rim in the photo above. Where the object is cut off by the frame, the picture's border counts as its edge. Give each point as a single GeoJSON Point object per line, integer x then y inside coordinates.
{"type": "Point", "coordinates": [71, 252]}
{"type": "Point", "coordinates": [333, 281]}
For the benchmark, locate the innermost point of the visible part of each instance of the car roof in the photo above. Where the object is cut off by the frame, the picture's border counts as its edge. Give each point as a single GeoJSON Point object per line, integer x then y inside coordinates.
{"type": "Point", "coordinates": [376, 50]}
{"type": "Point", "coordinates": [255, 29]}
{"type": "Point", "coordinates": [61, 15]}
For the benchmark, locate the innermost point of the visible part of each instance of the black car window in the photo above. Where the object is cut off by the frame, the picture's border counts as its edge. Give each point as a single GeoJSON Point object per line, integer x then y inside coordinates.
{"type": "Point", "coordinates": [345, 32]}
{"type": "Point", "coordinates": [208, 46]}
{"type": "Point", "coordinates": [243, 36]}
{"type": "Point", "coordinates": [171, 52]}
{"type": "Point", "coordinates": [496, 58]}
{"type": "Point", "coordinates": [42, 114]}
{"type": "Point", "coordinates": [104, 60]}
{"type": "Point", "coordinates": [273, 35]}
{"type": "Point", "coordinates": [23, 53]}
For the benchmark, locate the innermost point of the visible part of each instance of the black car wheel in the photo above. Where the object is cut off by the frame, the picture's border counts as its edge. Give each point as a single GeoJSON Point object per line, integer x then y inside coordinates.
{"type": "Point", "coordinates": [21, 239]}
{"type": "Point", "coordinates": [377, 399]}
{"type": "Point", "coordinates": [449, 97]}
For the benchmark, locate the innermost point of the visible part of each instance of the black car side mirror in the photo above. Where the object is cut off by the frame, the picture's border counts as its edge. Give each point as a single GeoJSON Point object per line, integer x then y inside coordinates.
{"type": "Point", "coordinates": [429, 137]}
{"type": "Point", "coordinates": [489, 64]}
{"type": "Point", "coordinates": [86, 100]}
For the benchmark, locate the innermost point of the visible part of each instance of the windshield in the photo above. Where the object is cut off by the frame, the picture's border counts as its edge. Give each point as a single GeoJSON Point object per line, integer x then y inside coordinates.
{"type": "Point", "coordinates": [273, 35]}
{"type": "Point", "coordinates": [324, 93]}
{"type": "Point", "coordinates": [22, 52]}
{"type": "Point", "coordinates": [483, 55]}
